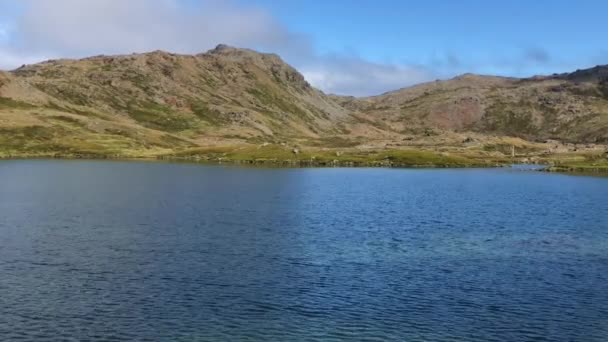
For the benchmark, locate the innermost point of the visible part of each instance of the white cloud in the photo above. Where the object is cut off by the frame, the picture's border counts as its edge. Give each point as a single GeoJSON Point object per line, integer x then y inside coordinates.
{"type": "Point", "coordinates": [78, 28]}
{"type": "Point", "coordinates": [355, 76]}
{"type": "Point", "coordinates": [33, 30]}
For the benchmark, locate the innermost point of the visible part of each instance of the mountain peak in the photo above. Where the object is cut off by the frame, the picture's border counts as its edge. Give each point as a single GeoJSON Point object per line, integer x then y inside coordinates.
{"type": "Point", "coordinates": [231, 51]}
{"type": "Point", "coordinates": [595, 74]}
{"type": "Point", "coordinates": [280, 70]}
{"type": "Point", "coordinates": [223, 48]}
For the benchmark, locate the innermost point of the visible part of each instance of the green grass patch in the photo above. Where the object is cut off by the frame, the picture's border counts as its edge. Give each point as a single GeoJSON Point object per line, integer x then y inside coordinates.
{"type": "Point", "coordinates": [334, 142]}
{"type": "Point", "coordinates": [67, 119]}
{"type": "Point", "coordinates": [276, 154]}
{"type": "Point", "coordinates": [205, 113]}
{"type": "Point", "coordinates": [61, 141]}
{"type": "Point", "coordinates": [581, 166]}
{"type": "Point", "coordinates": [8, 103]}
{"type": "Point", "coordinates": [269, 98]}
{"type": "Point", "coordinates": [68, 109]}
{"type": "Point", "coordinates": [161, 117]}
{"type": "Point", "coordinates": [31, 138]}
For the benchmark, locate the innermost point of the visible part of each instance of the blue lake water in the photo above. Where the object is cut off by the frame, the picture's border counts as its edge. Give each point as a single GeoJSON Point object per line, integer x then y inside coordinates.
{"type": "Point", "coordinates": [111, 251]}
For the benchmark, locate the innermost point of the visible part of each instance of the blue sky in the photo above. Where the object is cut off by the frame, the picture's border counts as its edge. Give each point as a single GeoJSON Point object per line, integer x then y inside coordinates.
{"type": "Point", "coordinates": [569, 33]}
{"type": "Point", "coordinates": [349, 47]}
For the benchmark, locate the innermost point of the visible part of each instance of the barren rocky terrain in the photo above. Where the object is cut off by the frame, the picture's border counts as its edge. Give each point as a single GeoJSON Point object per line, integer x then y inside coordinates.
{"type": "Point", "coordinates": [240, 105]}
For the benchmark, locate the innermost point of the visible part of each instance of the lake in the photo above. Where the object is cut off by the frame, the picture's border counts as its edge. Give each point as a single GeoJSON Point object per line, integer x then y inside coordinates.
{"type": "Point", "coordinates": [112, 251]}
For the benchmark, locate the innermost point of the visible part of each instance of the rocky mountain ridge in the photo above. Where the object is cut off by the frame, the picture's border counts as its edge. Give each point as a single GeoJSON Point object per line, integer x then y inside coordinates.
{"type": "Point", "coordinates": [156, 103]}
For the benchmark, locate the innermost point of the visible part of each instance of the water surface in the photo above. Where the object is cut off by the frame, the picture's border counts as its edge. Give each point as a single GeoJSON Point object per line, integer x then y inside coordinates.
{"type": "Point", "coordinates": [105, 251]}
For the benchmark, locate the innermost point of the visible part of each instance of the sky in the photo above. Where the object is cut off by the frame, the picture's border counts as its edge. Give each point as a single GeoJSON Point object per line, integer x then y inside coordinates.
{"type": "Point", "coordinates": [355, 47]}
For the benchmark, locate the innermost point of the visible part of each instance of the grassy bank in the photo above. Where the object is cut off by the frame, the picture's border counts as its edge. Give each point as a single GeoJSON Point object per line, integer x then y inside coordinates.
{"type": "Point", "coordinates": [581, 167]}
{"type": "Point", "coordinates": [579, 163]}
{"type": "Point", "coordinates": [282, 156]}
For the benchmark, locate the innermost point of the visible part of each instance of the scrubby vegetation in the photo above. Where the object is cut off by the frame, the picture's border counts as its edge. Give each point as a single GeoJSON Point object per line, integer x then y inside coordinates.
{"type": "Point", "coordinates": [8, 103]}
{"type": "Point", "coordinates": [282, 155]}
{"type": "Point", "coordinates": [262, 111]}
{"type": "Point", "coordinates": [204, 112]}
{"type": "Point", "coordinates": [596, 163]}
{"type": "Point", "coordinates": [514, 120]}
{"type": "Point", "coordinates": [160, 117]}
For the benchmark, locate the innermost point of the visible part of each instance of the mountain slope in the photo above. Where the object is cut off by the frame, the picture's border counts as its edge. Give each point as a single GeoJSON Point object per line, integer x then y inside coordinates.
{"type": "Point", "coordinates": [225, 87]}
{"type": "Point", "coordinates": [570, 107]}
{"type": "Point", "coordinates": [161, 103]}
{"type": "Point", "coordinates": [166, 100]}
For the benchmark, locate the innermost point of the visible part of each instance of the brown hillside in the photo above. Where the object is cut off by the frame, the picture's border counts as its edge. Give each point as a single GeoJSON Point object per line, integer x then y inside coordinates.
{"type": "Point", "coordinates": [159, 102]}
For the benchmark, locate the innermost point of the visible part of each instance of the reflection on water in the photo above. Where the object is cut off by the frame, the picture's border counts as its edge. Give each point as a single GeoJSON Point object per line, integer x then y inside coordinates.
{"type": "Point", "coordinates": [134, 251]}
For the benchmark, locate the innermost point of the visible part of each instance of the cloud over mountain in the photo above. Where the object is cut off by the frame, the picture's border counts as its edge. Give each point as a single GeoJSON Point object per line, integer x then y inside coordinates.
{"type": "Point", "coordinates": [73, 28]}
{"type": "Point", "coordinates": [34, 30]}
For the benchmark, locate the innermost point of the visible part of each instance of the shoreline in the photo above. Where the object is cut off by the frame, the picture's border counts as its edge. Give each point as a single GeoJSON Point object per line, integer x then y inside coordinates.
{"type": "Point", "coordinates": [548, 167]}
{"type": "Point", "coordinates": [256, 162]}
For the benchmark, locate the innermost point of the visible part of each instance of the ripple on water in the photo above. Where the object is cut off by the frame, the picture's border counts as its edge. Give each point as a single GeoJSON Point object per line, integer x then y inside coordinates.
{"type": "Point", "coordinates": [130, 251]}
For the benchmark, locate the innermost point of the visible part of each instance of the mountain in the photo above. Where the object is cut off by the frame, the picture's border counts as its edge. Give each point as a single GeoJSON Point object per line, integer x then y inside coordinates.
{"type": "Point", "coordinates": [568, 107]}
{"type": "Point", "coordinates": [160, 103]}
{"type": "Point", "coordinates": [160, 100]}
